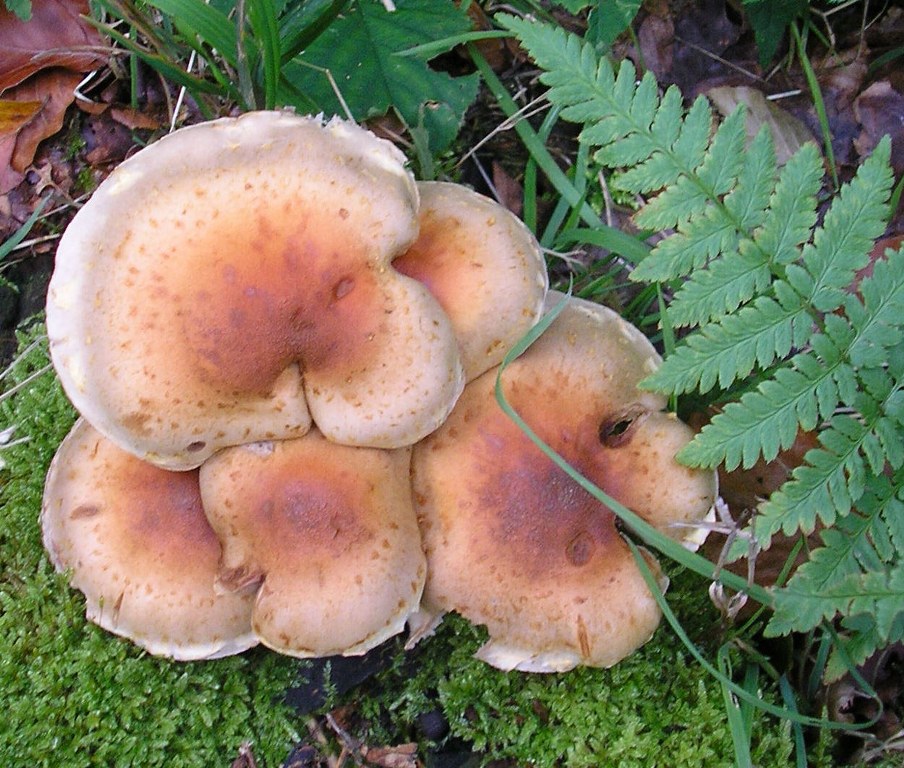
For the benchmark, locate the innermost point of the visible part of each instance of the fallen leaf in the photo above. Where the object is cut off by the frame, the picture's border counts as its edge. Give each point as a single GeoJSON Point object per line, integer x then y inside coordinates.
{"type": "Point", "coordinates": [656, 40]}
{"type": "Point", "coordinates": [135, 119]}
{"type": "Point", "coordinates": [788, 133]}
{"type": "Point", "coordinates": [511, 195]}
{"type": "Point", "coordinates": [106, 139]}
{"type": "Point", "coordinates": [15, 114]}
{"type": "Point", "coordinates": [9, 178]}
{"type": "Point", "coordinates": [703, 32]}
{"type": "Point", "coordinates": [53, 88]}
{"type": "Point", "coordinates": [402, 756]}
{"type": "Point", "coordinates": [879, 109]}
{"type": "Point", "coordinates": [55, 36]}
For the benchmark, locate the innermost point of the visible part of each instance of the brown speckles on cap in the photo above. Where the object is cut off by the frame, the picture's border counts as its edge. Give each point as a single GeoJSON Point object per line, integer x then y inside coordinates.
{"type": "Point", "coordinates": [318, 522]}
{"type": "Point", "coordinates": [140, 549]}
{"type": "Point", "coordinates": [278, 293]}
{"type": "Point", "coordinates": [468, 246]}
{"type": "Point", "coordinates": [521, 547]}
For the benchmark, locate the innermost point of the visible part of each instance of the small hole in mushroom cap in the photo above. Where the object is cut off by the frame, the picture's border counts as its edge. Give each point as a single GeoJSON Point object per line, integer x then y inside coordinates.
{"type": "Point", "coordinates": [343, 288]}
{"type": "Point", "coordinates": [580, 549]}
{"type": "Point", "coordinates": [198, 445]}
{"type": "Point", "coordinates": [618, 430]}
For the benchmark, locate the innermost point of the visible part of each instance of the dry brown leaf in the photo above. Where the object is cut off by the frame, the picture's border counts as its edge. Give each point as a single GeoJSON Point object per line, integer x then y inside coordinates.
{"type": "Point", "coordinates": [788, 133]}
{"type": "Point", "coordinates": [53, 88]}
{"type": "Point", "coordinates": [510, 193]}
{"type": "Point", "coordinates": [135, 119]}
{"type": "Point", "coordinates": [8, 177]}
{"type": "Point", "coordinates": [43, 61]}
{"type": "Point", "coordinates": [656, 40]}
{"type": "Point", "coordinates": [402, 756]}
{"type": "Point", "coordinates": [879, 109]}
{"type": "Point", "coordinates": [15, 114]}
{"type": "Point", "coordinates": [55, 36]}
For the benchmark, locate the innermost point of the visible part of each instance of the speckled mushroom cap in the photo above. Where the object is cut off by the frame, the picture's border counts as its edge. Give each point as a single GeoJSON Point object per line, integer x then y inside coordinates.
{"type": "Point", "coordinates": [233, 280]}
{"type": "Point", "coordinates": [139, 547]}
{"type": "Point", "coordinates": [327, 531]}
{"type": "Point", "coordinates": [520, 546]}
{"type": "Point", "coordinates": [483, 265]}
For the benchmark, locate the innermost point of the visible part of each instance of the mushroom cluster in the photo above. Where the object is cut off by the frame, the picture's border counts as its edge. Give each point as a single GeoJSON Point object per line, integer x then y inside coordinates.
{"type": "Point", "coordinates": [283, 349]}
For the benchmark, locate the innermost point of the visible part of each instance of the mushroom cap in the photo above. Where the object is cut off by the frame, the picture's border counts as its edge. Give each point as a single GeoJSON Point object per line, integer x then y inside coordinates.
{"type": "Point", "coordinates": [328, 532]}
{"type": "Point", "coordinates": [521, 547]}
{"type": "Point", "coordinates": [483, 265]}
{"type": "Point", "coordinates": [139, 547]}
{"type": "Point", "coordinates": [233, 280]}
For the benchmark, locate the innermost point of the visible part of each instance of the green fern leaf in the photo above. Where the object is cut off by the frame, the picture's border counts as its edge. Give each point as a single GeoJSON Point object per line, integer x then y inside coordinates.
{"type": "Point", "coordinates": [671, 160]}
{"type": "Point", "coordinates": [734, 275]}
{"type": "Point", "coordinates": [825, 486]}
{"type": "Point", "coordinates": [748, 201]}
{"type": "Point", "coordinates": [792, 207]}
{"type": "Point", "coordinates": [850, 574]}
{"type": "Point", "coordinates": [878, 317]}
{"type": "Point", "coordinates": [728, 283]}
{"type": "Point", "coordinates": [693, 137]}
{"type": "Point", "coordinates": [726, 157]}
{"type": "Point", "coordinates": [667, 122]}
{"type": "Point", "coordinates": [674, 207]}
{"type": "Point", "coordinates": [707, 232]}
{"type": "Point", "coordinates": [768, 291]}
{"type": "Point", "coordinates": [766, 420]}
{"type": "Point", "coordinates": [722, 353]}
{"type": "Point", "coordinates": [859, 641]}
{"type": "Point", "coordinates": [857, 216]}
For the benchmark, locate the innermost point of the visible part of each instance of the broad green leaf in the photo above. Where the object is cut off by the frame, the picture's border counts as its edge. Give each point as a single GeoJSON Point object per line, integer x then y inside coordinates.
{"type": "Point", "coordinates": [363, 52]}
{"type": "Point", "coordinates": [303, 23]}
{"type": "Point", "coordinates": [609, 19]}
{"type": "Point", "coordinates": [22, 8]}
{"type": "Point", "coordinates": [770, 20]}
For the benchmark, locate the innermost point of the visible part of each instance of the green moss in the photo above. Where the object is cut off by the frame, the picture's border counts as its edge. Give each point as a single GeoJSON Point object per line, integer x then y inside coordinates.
{"type": "Point", "coordinates": [70, 688]}
{"type": "Point", "coordinates": [656, 708]}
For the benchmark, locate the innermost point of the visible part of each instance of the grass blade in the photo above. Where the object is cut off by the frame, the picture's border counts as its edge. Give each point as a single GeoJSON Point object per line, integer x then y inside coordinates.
{"type": "Point", "coordinates": [624, 244]}
{"type": "Point", "coordinates": [8, 245]}
{"type": "Point", "coordinates": [264, 26]}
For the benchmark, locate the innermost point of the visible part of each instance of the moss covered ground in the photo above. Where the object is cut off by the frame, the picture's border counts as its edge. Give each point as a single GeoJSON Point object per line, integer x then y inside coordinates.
{"type": "Point", "coordinates": [74, 695]}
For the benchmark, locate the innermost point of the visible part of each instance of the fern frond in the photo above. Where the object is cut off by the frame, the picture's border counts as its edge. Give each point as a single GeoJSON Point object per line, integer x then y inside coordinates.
{"type": "Point", "coordinates": [724, 352]}
{"type": "Point", "coordinates": [830, 480]}
{"type": "Point", "coordinates": [766, 420]}
{"type": "Point", "coordinates": [767, 292]}
{"type": "Point", "coordinates": [854, 572]}
{"type": "Point", "coordinates": [792, 207]}
{"type": "Point", "coordinates": [725, 286]}
{"type": "Point", "coordinates": [857, 216]}
{"type": "Point", "coordinates": [748, 202]}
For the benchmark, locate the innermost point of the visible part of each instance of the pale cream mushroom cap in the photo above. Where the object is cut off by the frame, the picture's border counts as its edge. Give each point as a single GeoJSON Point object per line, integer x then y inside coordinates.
{"type": "Point", "coordinates": [483, 265]}
{"type": "Point", "coordinates": [520, 547]}
{"type": "Point", "coordinates": [139, 547]}
{"type": "Point", "coordinates": [327, 531]}
{"type": "Point", "coordinates": [237, 273]}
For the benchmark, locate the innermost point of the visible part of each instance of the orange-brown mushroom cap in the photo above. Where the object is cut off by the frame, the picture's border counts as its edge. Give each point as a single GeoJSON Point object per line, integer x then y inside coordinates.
{"type": "Point", "coordinates": [232, 281]}
{"type": "Point", "coordinates": [327, 531]}
{"type": "Point", "coordinates": [483, 265]}
{"type": "Point", "coordinates": [520, 546]}
{"type": "Point", "coordinates": [139, 547]}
